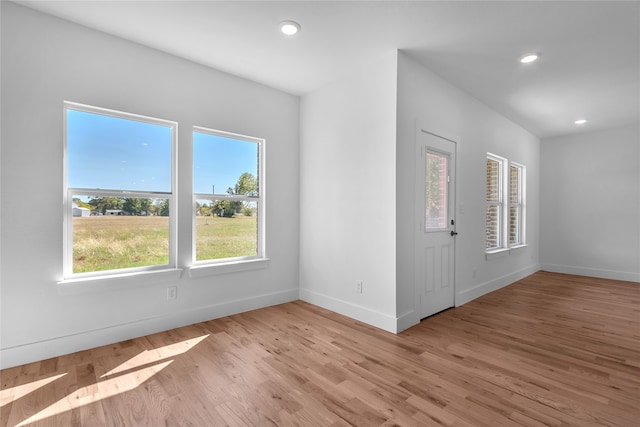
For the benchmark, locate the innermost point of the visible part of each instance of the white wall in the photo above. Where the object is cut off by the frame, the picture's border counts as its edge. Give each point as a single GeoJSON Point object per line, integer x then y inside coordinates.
{"type": "Point", "coordinates": [443, 108]}
{"type": "Point", "coordinates": [357, 180]}
{"type": "Point", "coordinates": [45, 61]}
{"type": "Point", "coordinates": [347, 201]}
{"type": "Point", "coordinates": [590, 213]}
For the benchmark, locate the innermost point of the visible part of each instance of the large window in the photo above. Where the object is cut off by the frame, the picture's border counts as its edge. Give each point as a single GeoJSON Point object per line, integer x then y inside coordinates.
{"type": "Point", "coordinates": [228, 196]}
{"type": "Point", "coordinates": [120, 196]}
{"type": "Point", "coordinates": [505, 204]}
{"type": "Point", "coordinates": [119, 192]}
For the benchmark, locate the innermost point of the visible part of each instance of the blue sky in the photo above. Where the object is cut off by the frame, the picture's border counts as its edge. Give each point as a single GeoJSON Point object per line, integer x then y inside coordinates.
{"type": "Point", "coordinates": [119, 154]}
{"type": "Point", "coordinates": [219, 162]}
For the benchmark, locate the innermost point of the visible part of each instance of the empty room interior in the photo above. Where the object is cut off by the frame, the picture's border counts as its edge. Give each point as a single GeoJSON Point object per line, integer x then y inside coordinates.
{"type": "Point", "coordinates": [322, 213]}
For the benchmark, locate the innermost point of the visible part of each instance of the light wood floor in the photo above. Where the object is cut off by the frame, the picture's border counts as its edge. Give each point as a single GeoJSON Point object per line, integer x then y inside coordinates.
{"type": "Point", "coordinates": [550, 350]}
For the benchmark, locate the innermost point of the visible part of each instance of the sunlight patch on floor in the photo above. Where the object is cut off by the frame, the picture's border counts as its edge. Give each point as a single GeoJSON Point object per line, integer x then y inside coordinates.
{"type": "Point", "coordinates": [95, 392]}
{"type": "Point", "coordinates": [12, 394]}
{"type": "Point", "coordinates": [126, 377]}
{"type": "Point", "coordinates": [151, 356]}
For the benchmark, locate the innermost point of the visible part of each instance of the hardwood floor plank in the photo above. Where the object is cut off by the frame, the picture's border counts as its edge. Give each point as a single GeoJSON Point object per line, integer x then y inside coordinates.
{"type": "Point", "coordinates": [549, 350]}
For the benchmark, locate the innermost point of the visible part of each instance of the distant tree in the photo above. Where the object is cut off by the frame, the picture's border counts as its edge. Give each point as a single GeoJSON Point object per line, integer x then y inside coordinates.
{"type": "Point", "coordinates": [206, 210]}
{"type": "Point", "coordinates": [79, 203]}
{"type": "Point", "coordinates": [101, 204]}
{"type": "Point", "coordinates": [226, 208]}
{"type": "Point", "coordinates": [136, 206]}
{"type": "Point", "coordinates": [132, 206]}
{"type": "Point", "coordinates": [161, 207]}
{"type": "Point", "coordinates": [247, 185]}
{"type": "Point", "coordinates": [145, 204]}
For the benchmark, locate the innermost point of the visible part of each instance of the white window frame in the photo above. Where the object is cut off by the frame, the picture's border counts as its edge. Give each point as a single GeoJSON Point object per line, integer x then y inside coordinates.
{"type": "Point", "coordinates": [504, 204]}
{"type": "Point", "coordinates": [69, 193]}
{"type": "Point", "coordinates": [261, 213]}
{"type": "Point", "coordinates": [500, 202]}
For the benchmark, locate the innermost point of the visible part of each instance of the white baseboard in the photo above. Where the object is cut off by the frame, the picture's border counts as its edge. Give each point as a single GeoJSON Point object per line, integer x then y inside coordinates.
{"type": "Point", "coordinates": [32, 352]}
{"type": "Point", "coordinates": [407, 320]}
{"type": "Point", "coordinates": [592, 272]}
{"type": "Point", "coordinates": [470, 294]}
{"type": "Point", "coordinates": [354, 311]}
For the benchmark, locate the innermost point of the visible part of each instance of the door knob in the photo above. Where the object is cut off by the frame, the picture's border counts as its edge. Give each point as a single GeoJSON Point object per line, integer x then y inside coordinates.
{"type": "Point", "coordinates": [453, 233]}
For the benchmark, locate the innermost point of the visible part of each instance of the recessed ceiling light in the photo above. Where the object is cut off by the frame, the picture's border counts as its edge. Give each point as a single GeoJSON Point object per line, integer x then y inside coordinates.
{"type": "Point", "coordinates": [289, 28]}
{"type": "Point", "coordinates": [580, 121]}
{"type": "Point", "coordinates": [529, 58]}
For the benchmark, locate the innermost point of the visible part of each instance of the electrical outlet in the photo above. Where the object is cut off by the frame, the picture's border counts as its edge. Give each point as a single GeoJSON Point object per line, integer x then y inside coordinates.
{"type": "Point", "coordinates": [172, 292]}
{"type": "Point", "coordinates": [358, 286]}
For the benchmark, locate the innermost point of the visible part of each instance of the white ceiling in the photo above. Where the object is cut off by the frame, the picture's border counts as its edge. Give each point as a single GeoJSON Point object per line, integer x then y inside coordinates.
{"type": "Point", "coordinates": [590, 64]}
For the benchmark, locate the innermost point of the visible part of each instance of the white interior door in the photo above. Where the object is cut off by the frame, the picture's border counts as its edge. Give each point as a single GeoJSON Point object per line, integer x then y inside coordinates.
{"type": "Point", "coordinates": [434, 250]}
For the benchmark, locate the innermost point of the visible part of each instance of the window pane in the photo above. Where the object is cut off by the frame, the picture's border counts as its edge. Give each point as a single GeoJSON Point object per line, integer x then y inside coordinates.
{"type": "Point", "coordinates": [223, 165]}
{"type": "Point", "coordinates": [113, 153]}
{"type": "Point", "coordinates": [226, 229]}
{"type": "Point", "coordinates": [514, 235]}
{"type": "Point", "coordinates": [514, 185]}
{"type": "Point", "coordinates": [492, 222]}
{"type": "Point", "coordinates": [493, 180]}
{"type": "Point", "coordinates": [111, 233]}
{"type": "Point", "coordinates": [515, 204]}
{"type": "Point", "coordinates": [436, 188]}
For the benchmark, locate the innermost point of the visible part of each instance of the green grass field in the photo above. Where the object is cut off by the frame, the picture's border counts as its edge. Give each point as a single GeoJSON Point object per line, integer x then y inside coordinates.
{"type": "Point", "coordinates": [218, 237]}
{"type": "Point", "coordinates": [113, 242]}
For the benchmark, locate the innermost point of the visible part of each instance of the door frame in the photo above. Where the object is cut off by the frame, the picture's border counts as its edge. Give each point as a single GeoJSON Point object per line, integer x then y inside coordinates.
{"type": "Point", "coordinates": [451, 137]}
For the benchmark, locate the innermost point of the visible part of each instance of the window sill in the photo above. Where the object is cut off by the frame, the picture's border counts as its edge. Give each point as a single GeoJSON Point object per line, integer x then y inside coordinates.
{"type": "Point", "coordinates": [92, 284]}
{"type": "Point", "coordinates": [503, 251]}
{"type": "Point", "coordinates": [497, 253]}
{"type": "Point", "coordinates": [204, 270]}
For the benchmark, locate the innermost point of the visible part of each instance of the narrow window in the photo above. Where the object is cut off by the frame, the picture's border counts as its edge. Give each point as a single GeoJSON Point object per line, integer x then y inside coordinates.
{"type": "Point", "coordinates": [505, 204]}
{"type": "Point", "coordinates": [119, 200]}
{"type": "Point", "coordinates": [494, 202]}
{"type": "Point", "coordinates": [516, 204]}
{"type": "Point", "coordinates": [228, 184]}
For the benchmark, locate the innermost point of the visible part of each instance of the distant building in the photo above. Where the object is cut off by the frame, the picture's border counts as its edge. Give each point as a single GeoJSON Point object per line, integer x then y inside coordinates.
{"type": "Point", "coordinates": [81, 211]}
{"type": "Point", "coordinates": [114, 212]}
